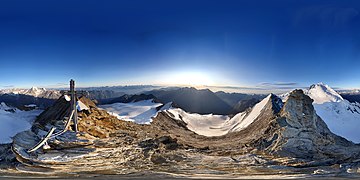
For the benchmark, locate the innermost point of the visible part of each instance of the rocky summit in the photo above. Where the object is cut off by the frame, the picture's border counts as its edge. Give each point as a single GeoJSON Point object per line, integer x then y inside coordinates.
{"type": "Point", "coordinates": [285, 138]}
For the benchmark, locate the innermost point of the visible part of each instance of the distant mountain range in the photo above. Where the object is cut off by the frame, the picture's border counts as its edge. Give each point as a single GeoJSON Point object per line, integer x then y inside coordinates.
{"type": "Point", "coordinates": [202, 101]}
{"type": "Point", "coordinates": [132, 89]}
{"type": "Point", "coordinates": [352, 97]}
{"type": "Point", "coordinates": [192, 100]}
{"type": "Point", "coordinates": [34, 91]}
{"type": "Point", "coordinates": [239, 101]}
{"type": "Point", "coordinates": [43, 98]}
{"type": "Point", "coordinates": [20, 98]}
{"type": "Point", "coordinates": [128, 98]}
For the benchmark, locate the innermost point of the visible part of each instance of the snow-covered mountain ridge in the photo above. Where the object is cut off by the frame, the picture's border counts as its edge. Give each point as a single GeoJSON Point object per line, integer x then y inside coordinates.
{"type": "Point", "coordinates": [142, 112]}
{"type": "Point", "coordinates": [34, 91]}
{"type": "Point", "coordinates": [218, 125]}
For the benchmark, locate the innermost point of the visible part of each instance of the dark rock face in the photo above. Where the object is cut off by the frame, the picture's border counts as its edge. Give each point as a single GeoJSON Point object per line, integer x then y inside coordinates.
{"type": "Point", "coordinates": [242, 105]}
{"type": "Point", "coordinates": [167, 142]}
{"type": "Point", "coordinates": [59, 111]}
{"type": "Point", "coordinates": [6, 156]}
{"type": "Point", "coordinates": [239, 101]}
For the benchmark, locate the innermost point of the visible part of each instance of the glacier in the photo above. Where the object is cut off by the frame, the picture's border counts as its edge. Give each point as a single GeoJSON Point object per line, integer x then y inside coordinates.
{"type": "Point", "coordinates": [13, 121]}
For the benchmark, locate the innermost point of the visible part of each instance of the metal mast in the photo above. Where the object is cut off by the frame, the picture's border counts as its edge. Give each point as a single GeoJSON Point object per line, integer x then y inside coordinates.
{"type": "Point", "coordinates": [73, 103]}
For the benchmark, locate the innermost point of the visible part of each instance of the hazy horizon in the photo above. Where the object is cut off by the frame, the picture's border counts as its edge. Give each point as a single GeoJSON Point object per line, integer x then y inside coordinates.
{"type": "Point", "coordinates": [264, 88]}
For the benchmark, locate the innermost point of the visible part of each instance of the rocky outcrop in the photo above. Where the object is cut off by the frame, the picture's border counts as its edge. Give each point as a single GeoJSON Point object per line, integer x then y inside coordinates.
{"type": "Point", "coordinates": [306, 134]}
{"type": "Point", "coordinates": [297, 131]}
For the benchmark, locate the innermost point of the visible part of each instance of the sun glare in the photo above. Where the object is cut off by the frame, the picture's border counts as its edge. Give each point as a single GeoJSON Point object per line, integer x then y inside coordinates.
{"type": "Point", "coordinates": [188, 78]}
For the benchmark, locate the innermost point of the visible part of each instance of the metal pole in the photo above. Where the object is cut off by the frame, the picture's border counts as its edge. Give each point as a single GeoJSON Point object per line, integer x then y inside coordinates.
{"type": "Point", "coordinates": [73, 103]}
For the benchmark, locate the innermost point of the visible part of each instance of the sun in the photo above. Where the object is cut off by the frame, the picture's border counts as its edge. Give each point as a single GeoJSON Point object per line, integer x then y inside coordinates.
{"type": "Point", "coordinates": [188, 79]}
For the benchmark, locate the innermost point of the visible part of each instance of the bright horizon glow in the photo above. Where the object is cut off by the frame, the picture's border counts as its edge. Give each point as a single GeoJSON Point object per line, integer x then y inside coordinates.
{"type": "Point", "coordinates": [187, 79]}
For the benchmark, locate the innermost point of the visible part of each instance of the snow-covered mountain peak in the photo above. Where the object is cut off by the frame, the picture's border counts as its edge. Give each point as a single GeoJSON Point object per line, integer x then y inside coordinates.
{"type": "Point", "coordinates": [322, 93]}
{"type": "Point", "coordinates": [35, 91]}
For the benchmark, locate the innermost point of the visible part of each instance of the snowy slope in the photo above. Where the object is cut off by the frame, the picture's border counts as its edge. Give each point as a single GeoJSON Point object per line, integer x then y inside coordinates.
{"type": "Point", "coordinates": [13, 122]}
{"type": "Point", "coordinates": [322, 93]}
{"type": "Point", "coordinates": [341, 116]}
{"type": "Point", "coordinates": [206, 125]}
{"type": "Point", "coordinates": [217, 125]}
{"type": "Point", "coordinates": [242, 120]}
{"type": "Point", "coordinates": [139, 112]}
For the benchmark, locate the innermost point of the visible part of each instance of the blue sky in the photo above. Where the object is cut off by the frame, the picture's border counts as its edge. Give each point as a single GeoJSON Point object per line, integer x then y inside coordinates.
{"type": "Point", "coordinates": [223, 42]}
